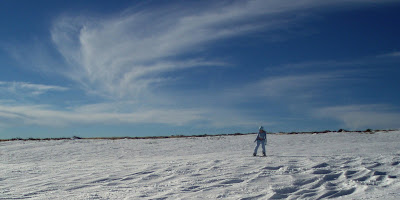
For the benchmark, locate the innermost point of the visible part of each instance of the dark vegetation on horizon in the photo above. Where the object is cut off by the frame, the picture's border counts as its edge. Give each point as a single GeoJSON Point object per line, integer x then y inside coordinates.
{"type": "Point", "coordinates": [367, 131]}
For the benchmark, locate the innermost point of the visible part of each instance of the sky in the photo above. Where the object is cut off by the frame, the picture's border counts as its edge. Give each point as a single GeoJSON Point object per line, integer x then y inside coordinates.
{"type": "Point", "coordinates": [98, 68]}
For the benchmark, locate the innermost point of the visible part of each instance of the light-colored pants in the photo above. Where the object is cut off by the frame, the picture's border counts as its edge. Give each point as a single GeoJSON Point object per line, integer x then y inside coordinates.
{"type": "Point", "coordinates": [262, 142]}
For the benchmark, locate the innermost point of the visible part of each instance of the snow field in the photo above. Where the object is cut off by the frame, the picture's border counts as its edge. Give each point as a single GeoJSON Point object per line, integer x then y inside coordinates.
{"type": "Point", "coordinates": [332, 165]}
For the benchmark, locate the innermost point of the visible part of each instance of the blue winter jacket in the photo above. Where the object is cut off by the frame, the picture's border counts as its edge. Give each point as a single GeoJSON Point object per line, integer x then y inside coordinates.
{"type": "Point", "coordinates": [262, 136]}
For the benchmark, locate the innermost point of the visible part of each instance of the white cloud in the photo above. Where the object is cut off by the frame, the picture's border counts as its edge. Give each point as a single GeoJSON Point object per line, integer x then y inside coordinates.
{"type": "Point", "coordinates": [288, 87]}
{"type": "Point", "coordinates": [28, 88]}
{"type": "Point", "coordinates": [294, 85]}
{"type": "Point", "coordinates": [121, 113]}
{"type": "Point", "coordinates": [130, 54]}
{"type": "Point", "coordinates": [126, 54]}
{"type": "Point", "coordinates": [362, 116]}
{"type": "Point", "coordinates": [45, 115]}
{"type": "Point", "coordinates": [392, 54]}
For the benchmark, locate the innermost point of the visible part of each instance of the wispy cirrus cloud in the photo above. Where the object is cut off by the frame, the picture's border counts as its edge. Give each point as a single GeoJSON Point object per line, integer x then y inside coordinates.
{"type": "Point", "coordinates": [46, 115]}
{"type": "Point", "coordinates": [319, 76]}
{"type": "Point", "coordinates": [305, 87]}
{"type": "Point", "coordinates": [290, 88]}
{"type": "Point", "coordinates": [391, 54]}
{"type": "Point", "coordinates": [126, 54]}
{"type": "Point", "coordinates": [121, 113]}
{"type": "Point", "coordinates": [295, 85]}
{"type": "Point", "coordinates": [132, 53]}
{"type": "Point", "coordinates": [28, 88]}
{"type": "Point", "coordinates": [362, 116]}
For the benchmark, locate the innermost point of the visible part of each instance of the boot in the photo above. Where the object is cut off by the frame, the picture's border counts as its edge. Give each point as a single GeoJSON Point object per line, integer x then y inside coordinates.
{"type": "Point", "coordinates": [254, 154]}
{"type": "Point", "coordinates": [264, 154]}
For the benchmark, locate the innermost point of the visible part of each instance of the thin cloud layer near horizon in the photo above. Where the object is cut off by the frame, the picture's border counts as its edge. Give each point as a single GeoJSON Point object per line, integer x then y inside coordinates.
{"type": "Point", "coordinates": [147, 68]}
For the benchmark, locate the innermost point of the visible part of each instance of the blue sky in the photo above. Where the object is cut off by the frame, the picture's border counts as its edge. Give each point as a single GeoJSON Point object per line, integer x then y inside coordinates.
{"type": "Point", "coordinates": [147, 68]}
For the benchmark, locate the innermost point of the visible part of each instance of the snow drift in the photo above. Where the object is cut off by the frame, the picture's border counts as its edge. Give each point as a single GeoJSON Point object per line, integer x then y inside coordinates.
{"type": "Point", "coordinates": [304, 166]}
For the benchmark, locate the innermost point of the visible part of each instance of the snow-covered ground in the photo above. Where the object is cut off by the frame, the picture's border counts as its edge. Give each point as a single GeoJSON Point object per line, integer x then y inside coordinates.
{"type": "Point", "coordinates": [308, 166]}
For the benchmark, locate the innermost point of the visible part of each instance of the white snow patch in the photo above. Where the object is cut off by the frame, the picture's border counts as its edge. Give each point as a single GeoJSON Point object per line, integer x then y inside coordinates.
{"type": "Point", "coordinates": [318, 166]}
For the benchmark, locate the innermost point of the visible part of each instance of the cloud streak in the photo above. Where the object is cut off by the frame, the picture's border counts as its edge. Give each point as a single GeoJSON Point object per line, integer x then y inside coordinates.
{"type": "Point", "coordinates": [124, 55]}
{"type": "Point", "coordinates": [135, 54]}
{"type": "Point", "coordinates": [29, 88]}
{"type": "Point", "coordinates": [46, 115]}
{"type": "Point", "coordinates": [362, 116]}
{"type": "Point", "coordinates": [395, 54]}
{"type": "Point", "coordinates": [129, 55]}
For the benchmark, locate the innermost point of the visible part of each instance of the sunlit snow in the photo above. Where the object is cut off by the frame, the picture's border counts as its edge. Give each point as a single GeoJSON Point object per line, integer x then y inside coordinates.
{"type": "Point", "coordinates": [304, 166]}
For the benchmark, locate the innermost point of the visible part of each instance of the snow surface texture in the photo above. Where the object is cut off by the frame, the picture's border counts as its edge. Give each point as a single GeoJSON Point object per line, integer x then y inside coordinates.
{"type": "Point", "coordinates": [319, 166]}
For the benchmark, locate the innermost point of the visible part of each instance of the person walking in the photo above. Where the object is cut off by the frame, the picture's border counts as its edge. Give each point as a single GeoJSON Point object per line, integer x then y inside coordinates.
{"type": "Point", "coordinates": [261, 140]}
